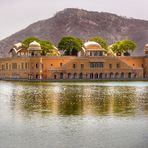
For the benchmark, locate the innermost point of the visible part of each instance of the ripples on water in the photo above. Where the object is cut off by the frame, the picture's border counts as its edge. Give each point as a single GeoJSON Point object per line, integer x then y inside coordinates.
{"type": "Point", "coordinates": [72, 111]}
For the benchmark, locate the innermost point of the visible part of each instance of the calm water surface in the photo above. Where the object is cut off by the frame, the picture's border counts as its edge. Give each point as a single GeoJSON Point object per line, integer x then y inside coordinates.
{"type": "Point", "coordinates": [74, 115]}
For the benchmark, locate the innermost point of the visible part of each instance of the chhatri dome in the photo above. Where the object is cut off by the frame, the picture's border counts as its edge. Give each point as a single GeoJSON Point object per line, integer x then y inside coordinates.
{"type": "Point", "coordinates": [146, 49]}
{"type": "Point", "coordinates": [91, 45]}
{"type": "Point", "coordinates": [146, 46]}
{"type": "Point", "coordinates": [34, 46]}
{"type": "Point", "coordinates": [91, 48]}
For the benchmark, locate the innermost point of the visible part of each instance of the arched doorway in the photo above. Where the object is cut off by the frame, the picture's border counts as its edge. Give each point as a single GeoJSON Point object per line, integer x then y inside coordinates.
{"type": "Point", "coordinates": [75, 75]}
{"type": "Point", "coordinates": [111, 75]}
{"type": "Point", "coordinates": [122, 75]}
{"type": "Point", "coordinates": [69, 75]}
{"type": "Point", "coordinates": [61, 75]}
{"type": "Point", "coordinates": [86, 76]}
{"type": "Point", "coordinates": [91, 75]}
{"type": "Point", "coordinates": [81, 76]}
{"type": "Point", "coordinates": [55, 76]}
{"type": "Point", "coordinates": [37, 76]}
{"type": "Point", "coordinates": [32, 54]}
{"type": "Point", "coordinates": [101, 75]}
{"type": "Point", "coordinates": [106, 76]}
{"type": "Point", "coordinates": [96, 76]}
{"type": "Point", "coordinates": [129, 75]}
{"type": "Point", "coordinates": [116, 75]}
{"type": "Point", "coordinates": [135, 75]}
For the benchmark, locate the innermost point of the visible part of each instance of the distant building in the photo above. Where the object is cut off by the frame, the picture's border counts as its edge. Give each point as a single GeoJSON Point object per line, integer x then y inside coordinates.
{"type": "Point", "coordinates": [93, 62]}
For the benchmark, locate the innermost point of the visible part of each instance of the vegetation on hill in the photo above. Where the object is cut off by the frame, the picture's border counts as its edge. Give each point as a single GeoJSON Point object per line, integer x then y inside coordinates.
{"type": "Point", "coordinates": [70, 45]}
{"type": "Point", "coordinates": [83, 24]}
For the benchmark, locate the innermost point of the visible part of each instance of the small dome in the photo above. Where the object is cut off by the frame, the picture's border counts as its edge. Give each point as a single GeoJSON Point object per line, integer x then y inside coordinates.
{"type": "Point", "coordinates": [146, 47]}
{"type": "Point", "coordinates": [91, 45]}
{"type": "Point", "coordinates": [18, 45]}
{"type": "Point", "coordinates": [34, 46]}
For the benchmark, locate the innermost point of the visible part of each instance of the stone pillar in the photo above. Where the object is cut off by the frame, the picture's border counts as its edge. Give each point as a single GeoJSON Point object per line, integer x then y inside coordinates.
{"type": "Point", "coordinates": [40, 69]}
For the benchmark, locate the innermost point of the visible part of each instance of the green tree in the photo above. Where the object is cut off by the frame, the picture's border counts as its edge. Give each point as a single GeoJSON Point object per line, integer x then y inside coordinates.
{"type": "Point", "coordinates": [100, 41]}
{"type": "Point", "coordinates": [129, 45]}
{"type": "Point", "coordinates": [70, 45]}
{"type": "Point", "coordinates": [45, 45]}
{"type": "Point", "coordinates": [123, 46]}
{"type": "Point", "coordinates": [80, 41]}
{"type": "Point", "coordinates": [117, 47]}
{"type": "Point", "coordinates": [28, 40]}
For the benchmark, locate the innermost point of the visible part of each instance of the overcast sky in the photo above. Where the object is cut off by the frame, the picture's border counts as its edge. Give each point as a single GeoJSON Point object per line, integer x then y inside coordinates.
{"type": "Point", "coordinates": [18, 14]}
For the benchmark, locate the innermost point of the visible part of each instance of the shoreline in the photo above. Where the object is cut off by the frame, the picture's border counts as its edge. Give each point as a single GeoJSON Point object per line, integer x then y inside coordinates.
{"type": "Point", "coordinates": [76, 80]}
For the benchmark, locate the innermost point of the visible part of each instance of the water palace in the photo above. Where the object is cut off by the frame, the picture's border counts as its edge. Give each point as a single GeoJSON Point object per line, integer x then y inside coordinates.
{"type": "Point", "coordinates": [92, 62]}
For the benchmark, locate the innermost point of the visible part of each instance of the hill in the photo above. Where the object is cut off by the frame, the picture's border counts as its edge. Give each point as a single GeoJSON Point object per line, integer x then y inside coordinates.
{"type": "Point", "coordinates": [83, 24]}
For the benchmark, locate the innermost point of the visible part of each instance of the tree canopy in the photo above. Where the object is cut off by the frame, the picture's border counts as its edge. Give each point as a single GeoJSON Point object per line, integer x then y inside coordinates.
{"type": "Point", "coordinates": [100, 41]}
{"type": "Point", "coordinates": [71, 45]}
{"type": "Point", "coordinates": [28, 40]}
{"type": "Point", "coordinates": [124, 46]}
{"type": "Point", "coordinates": [45, 45]}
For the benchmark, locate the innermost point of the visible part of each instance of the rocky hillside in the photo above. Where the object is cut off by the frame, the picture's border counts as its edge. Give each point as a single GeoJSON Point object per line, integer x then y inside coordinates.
{"type": "Point", "coordinates": [83, 24]}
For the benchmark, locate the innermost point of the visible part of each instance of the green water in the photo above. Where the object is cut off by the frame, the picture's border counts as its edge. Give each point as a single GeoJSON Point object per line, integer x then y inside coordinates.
{"type": "Point", "coordinates": [74, 115]}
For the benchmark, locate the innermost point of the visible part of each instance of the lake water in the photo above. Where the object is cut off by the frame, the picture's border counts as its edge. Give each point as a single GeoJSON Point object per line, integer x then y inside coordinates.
{"type": "Point", "coordinates": [74, 115]}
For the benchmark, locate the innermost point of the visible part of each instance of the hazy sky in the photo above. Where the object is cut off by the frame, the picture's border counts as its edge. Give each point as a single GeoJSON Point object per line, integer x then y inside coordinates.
{"type": "Point", "coordinates": [18, 14]}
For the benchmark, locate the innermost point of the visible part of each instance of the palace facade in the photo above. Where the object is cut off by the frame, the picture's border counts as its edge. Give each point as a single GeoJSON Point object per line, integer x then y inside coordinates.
{"type": "Point", "coordinates": [92, 62]}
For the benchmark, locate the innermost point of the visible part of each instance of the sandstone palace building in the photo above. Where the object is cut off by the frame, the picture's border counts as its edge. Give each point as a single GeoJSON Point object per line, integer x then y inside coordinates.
{"type": "Point", "coordinates": [92, 62]}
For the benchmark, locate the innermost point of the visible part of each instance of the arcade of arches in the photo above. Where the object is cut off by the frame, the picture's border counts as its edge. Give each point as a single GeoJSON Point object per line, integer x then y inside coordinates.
{"type": "Point", "coordinates": [95, 75]}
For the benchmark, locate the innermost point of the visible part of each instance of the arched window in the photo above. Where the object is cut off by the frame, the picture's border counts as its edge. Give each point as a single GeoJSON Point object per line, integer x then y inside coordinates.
{"type": "Point", "coordinates": [61, 64]}
{"type": "Point", "coordinates": [37, 65]}
{"type": "Point", "coordinates": [96, 76]}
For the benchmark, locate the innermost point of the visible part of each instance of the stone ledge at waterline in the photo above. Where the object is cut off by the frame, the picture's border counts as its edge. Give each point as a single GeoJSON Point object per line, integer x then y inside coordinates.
{"type": "Point", "coordinates": [78, 80]}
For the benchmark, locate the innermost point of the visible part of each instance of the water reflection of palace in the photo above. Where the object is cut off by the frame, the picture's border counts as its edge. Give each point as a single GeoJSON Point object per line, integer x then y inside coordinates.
{"type": "Point", "coordinates": [81, 100]}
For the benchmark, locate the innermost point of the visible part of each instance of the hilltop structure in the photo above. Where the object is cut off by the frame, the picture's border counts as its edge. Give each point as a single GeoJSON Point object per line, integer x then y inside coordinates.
{"type": "Point", "coordinates": [92, 62]}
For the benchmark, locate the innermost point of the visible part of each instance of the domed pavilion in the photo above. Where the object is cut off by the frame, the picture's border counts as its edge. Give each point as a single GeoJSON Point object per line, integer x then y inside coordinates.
{"type": "Point", "coordinates": [92, 48]}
